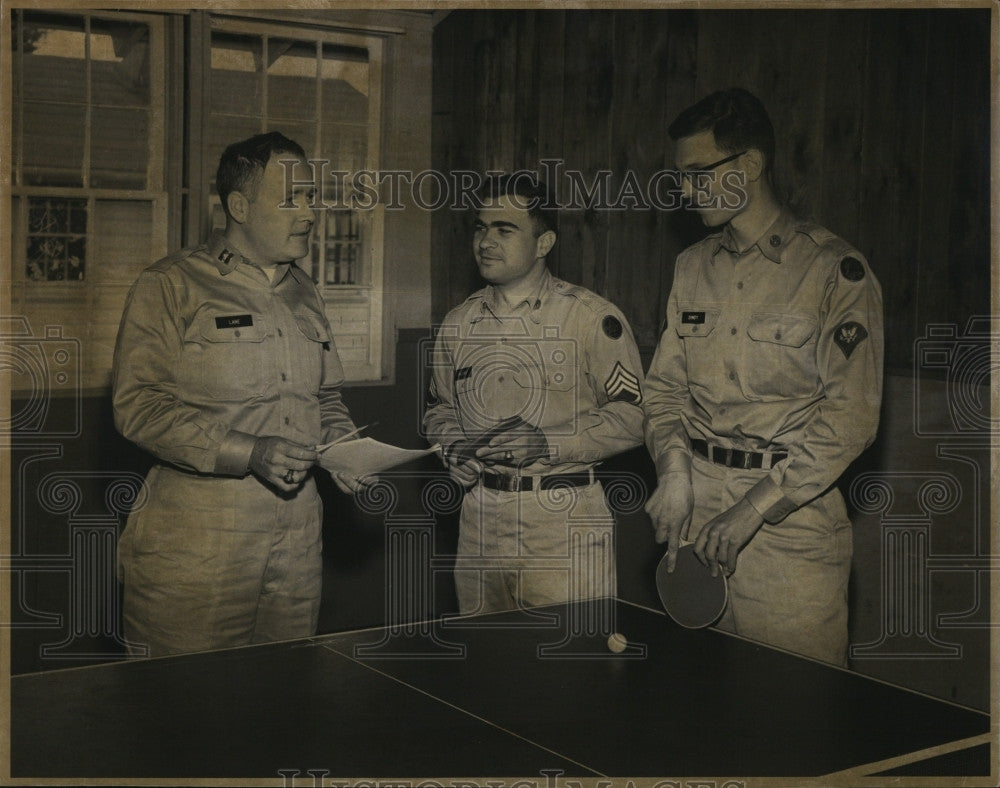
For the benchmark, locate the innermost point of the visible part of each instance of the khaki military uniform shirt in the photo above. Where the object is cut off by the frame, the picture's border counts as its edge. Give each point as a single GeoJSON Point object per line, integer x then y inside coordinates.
{"type": "Point", "coordinates": [212, 354]}
{"type": "Point", "coordinates": [775, 349]}
{"type": "Point", "coordinates": [564, 360]}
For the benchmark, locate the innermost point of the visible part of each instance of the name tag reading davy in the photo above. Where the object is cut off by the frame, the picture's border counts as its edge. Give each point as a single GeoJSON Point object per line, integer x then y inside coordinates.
{"type": "Point", "coordinates": [234, 321]}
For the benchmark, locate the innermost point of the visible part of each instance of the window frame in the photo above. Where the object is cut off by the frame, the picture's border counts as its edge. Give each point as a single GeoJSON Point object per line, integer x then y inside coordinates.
{"type": "Point", "coordinates": [40, 297]}
{"type": "Point", "coordinates": [370, 290]}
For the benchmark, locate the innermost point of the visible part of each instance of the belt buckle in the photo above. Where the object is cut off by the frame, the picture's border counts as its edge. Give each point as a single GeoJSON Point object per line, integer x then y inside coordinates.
{"type": "Point", "coordinates": [511, 482]}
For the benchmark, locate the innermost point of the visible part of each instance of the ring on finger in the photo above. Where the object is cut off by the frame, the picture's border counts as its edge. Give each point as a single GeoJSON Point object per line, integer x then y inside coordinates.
{"type": "Point", "coordinates": [508, 455]}
{"type": "Point", "coordinates": [289, 477]}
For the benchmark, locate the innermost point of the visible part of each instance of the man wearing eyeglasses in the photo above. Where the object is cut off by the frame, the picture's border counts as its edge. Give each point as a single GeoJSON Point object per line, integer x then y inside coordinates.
{"type": "Point", "coordinates": [766, 384]}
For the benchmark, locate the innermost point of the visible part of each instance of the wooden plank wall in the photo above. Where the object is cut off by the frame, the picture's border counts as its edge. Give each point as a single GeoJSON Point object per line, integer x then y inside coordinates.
{"type": "Point", "coordinates": [882, 119]}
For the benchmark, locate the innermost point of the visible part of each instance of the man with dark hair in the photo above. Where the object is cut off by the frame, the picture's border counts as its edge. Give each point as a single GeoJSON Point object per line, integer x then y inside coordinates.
{"type": "Point", "coordinates": [534, 381]}
{"type": "Point", "coordinates": [765, 385]}
{"type": "Point", "coordinates": [225, 370]}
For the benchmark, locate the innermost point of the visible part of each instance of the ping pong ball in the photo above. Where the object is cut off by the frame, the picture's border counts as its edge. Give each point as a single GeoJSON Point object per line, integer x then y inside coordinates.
{"type": "Point", "coordinates": [617, 643]}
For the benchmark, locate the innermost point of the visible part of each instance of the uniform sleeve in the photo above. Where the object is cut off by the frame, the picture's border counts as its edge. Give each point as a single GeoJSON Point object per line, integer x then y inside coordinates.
{"type": "Point", "coordinates": [335, 420]}
{"type": "Point", "coordinates": [441, 423]}
{"type": "Point", "coordinates": [849, 357]}
{"type": "Point", "coordinates": [147, 407]}
{"type": "Point", "coordinates": [666, 397]}
{"type": "Point", "coordinates": [609, 418]}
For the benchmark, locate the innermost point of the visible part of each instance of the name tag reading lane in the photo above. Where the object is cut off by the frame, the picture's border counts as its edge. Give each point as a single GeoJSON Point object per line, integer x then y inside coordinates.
{"type": "Point", "coordinates": [234, 321]}
{"type": "Point", "coordinates": [696, 318]}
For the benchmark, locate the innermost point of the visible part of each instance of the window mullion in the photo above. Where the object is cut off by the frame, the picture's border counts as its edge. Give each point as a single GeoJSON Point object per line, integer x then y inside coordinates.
{"type": "Point", "coordinates": [19, 70]}
{"type": "Point", "coordinates": [88, 117]}
{"type": "Point", "coordinates": [265, 54]}
{"type": "Point", "coordinates": [320, 231]}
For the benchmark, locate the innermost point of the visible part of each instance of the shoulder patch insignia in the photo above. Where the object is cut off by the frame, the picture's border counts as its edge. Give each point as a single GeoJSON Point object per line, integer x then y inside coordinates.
{"type": "Point", "coordinates": [848, 336]}
{"type": "Point", "coordinates": [612, 327]}
{"type": "Point", "coordinates": [851, 269]}
{"type": "Point", "coordinates": [463, 373]}
{"type": "Point", "coordinates": [623, 385]}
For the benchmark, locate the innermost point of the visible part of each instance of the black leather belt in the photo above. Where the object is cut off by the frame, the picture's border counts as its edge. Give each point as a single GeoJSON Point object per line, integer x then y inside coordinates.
{"type": "Point", "coordinates": [736, 458]}
{"type": "Point", "coordinates": [511, 482]}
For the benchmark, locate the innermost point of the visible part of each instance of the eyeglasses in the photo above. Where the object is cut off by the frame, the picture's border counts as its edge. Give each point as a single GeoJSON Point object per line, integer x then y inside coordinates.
{"type": "Point", "coordinates": [688, 175]}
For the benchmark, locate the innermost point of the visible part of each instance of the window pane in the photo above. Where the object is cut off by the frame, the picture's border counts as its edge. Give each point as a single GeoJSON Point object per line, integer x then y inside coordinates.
{"type": "Point", "coordinates": [57, 241]}
{"type": "Point", "coordinates": [119, 53]}
{"type": "Point", "coordinates": [226, 129]}
{"type": "Point", "coordinates": [302, 133]}
{"type": "Point", "coordinates": [345, 85]}
{"type": "Point", "coordinates": [54, 58]}
{"type": "Point", "coordinates": [346, 147]}
{"type": "Point", "coordinates": [53, 144]}
{"type": "Point", "coordinates": [119, 150]}
{"type": "Point", "coordinates": [236, 74]}
{"type": "Point", "coordinates": [122, 241]}
{"type": "Point", "coordinates": [291, 79]}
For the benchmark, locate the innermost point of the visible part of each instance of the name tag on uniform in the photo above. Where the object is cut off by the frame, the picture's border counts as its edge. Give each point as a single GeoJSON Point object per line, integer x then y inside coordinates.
{"type": "Point", "coordinates": [693, 317]}
{"type": "Point", "coordinates": [463, 373]}
{"type": "Point", "coordinates": [234, 321]}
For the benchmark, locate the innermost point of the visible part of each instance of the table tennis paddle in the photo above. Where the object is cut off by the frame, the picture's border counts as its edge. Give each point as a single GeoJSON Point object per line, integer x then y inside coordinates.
{"type": "Point", "coordinates": [690, 595]}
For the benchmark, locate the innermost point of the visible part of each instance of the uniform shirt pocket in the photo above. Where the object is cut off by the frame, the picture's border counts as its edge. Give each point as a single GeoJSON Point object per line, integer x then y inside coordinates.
{"type": "Point", "coordinates": [226, 362]}
{"type": "Point", "coordinates": [695, 325]}
{"type": "Point", "coordinates": [779, 361]}
{"type": "Point", "coordinates": [308, 354]}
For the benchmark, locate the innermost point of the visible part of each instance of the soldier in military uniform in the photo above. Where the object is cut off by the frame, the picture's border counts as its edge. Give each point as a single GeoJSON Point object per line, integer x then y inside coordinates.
{"type": "Point", "coordinates": [226, 371]}
{"type": "Point", "coordinates": [534, 381]}
{"type": "Point", "coordinates": [766, 384]}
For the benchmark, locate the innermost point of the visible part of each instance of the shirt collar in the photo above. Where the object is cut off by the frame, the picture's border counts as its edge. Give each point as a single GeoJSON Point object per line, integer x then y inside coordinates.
{"type": "Point", "coordinates": [771, 243]}
{"type": "Point", "coordinates": [492, 299]}
{"type": "Point", "coordinates": [226, 259]}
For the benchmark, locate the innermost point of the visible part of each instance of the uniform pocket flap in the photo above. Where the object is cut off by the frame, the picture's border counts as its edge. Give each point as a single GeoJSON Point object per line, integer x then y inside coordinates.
{"type": "Point", "coordinates": [312, 327]}
{"type": "Point", "coordinates": [788, 330]}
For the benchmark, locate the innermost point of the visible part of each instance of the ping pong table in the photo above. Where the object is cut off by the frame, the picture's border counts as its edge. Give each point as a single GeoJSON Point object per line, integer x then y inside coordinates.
{"type": "Point", "coordinates": [531, 694]}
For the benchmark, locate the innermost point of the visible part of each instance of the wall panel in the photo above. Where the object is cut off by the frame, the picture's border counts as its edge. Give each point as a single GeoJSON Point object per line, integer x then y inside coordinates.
{"type": "Point", "coordinates": [881, 118]}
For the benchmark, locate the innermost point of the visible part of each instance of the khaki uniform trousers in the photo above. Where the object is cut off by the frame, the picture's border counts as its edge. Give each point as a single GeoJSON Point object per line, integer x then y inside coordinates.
{"type": "Point", "coordinates": [212, 563]}
{"type": "Point", "coordinates": [789, 589]}
{"type": "Point", "coordinates": [539, 547]}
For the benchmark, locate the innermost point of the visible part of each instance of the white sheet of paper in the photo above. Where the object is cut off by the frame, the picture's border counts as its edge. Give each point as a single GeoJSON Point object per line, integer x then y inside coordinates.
{"type": "Point", "coordinates": [367, 456]}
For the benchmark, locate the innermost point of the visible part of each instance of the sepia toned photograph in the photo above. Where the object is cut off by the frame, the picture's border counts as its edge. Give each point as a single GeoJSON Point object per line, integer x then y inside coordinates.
{"type": "Point", "coordinates": [456, 395]}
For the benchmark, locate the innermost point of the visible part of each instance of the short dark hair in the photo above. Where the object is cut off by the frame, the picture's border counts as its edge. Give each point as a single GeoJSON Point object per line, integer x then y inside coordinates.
{"type": "Point", "coordinates": [736, 117]}
{"type": "Point", "coordinates": [532, 195]}
{"type": "Point", "coordinates": [243, 163]}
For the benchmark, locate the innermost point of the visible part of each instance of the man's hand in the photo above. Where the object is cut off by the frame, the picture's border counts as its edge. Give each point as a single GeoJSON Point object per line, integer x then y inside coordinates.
{"type": "Point", "coordinates": [670, 507]}
{"type": "Point", "coordinates": [351, 485]}
{"type": "Point", "coordinates": [520, 446]}
{"type": "Point", "coordinates": [466, 473]}
{"type": "Point", "coordinates": [722, 538]}
{"type": "Point", "coordinates": [462, 465]}
{"type": "Point", "coordinates": [281, 463]}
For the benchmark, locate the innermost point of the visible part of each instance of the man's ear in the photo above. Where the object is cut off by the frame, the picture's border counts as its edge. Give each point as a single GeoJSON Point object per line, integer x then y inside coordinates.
{"type": "Point", "coordinates": [545, 243]}
{"type": "Point", "coordinates": [239, 206]}
{"type": "Point", "coordinates": [753, 164]}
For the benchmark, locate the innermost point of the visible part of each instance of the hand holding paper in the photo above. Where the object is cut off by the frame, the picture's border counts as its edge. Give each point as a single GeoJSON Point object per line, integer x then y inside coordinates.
{"type": "Point", "coordinates": [365, 456]}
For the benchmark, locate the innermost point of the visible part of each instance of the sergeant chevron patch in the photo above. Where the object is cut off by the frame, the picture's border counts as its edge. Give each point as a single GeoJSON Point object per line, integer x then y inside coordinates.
{"type": "Point", "coordinates": [623, 385]}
